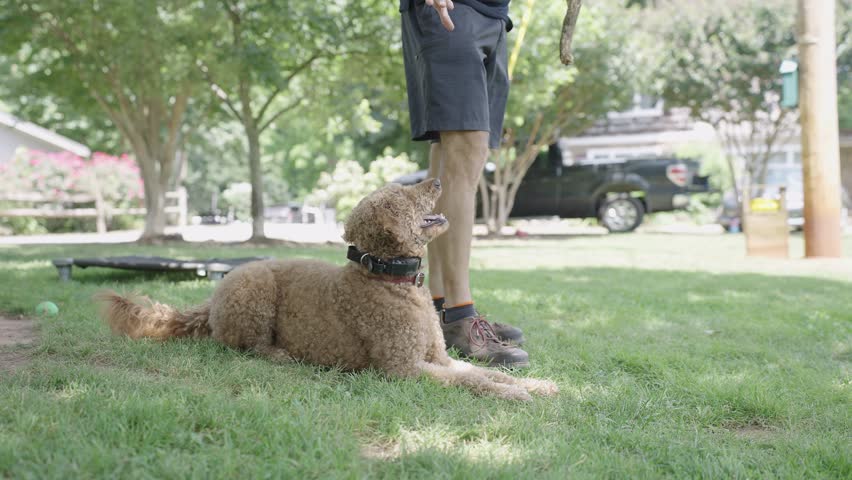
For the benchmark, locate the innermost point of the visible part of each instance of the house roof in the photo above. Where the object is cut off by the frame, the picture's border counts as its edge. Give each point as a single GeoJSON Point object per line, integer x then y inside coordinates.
{"type": "Point", "coordinates": [43, 134]}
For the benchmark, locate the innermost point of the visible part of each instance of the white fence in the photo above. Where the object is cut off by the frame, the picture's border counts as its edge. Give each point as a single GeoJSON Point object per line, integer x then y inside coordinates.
{"type": "Point", "coordinates": [42, 206]}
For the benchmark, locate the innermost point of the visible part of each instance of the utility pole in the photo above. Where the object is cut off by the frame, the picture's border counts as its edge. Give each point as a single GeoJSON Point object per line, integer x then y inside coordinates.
{"type": "Point", "coordinates": [820, 143]}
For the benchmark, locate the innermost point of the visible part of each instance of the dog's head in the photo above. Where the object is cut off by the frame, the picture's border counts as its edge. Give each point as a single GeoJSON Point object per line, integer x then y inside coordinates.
{"type": "Point", "coordinates": [396, 221]}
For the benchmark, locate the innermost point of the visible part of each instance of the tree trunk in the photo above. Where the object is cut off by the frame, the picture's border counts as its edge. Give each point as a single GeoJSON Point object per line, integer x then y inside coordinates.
{"type": "Point", "coordinates": [502, 215]}
{"type": "Point", "coordinates": [155, 217]}
{"type": "Point", "coordinates": [498, 191]}
{"type": "Point", "coordinates": [485, 201]}
{"type": "Point", "coordinates": [256, 174]}
{"type": "Point", "coordinates": [155, 202]}
{"type": "Point", "coordinates": [732, 170]}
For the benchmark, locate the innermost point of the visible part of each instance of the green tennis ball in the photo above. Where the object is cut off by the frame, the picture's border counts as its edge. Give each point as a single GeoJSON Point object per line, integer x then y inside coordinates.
{"type": "Point", "coordinates": [47, 309]}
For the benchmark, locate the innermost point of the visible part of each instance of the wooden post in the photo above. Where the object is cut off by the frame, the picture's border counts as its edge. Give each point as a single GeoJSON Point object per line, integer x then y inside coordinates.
{"type": "Point", "coordinates": [820, 143]}
{"type": "Point", "coordinates": [101, 209]}
{"type": "Point", "coordinates": [182, 208]}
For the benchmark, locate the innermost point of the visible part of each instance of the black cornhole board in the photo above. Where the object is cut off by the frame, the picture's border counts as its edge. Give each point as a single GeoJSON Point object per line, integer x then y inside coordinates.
{"type": "Point", "coordinates": [214, 268]}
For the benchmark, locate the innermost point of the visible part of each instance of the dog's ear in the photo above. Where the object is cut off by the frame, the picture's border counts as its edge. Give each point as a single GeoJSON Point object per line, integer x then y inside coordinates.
{"type": "Point", "coordinates": [394, 234]}
{"type": "Point", "coordinates": [363, 228]}
{"type": "Point", "coordinates": [352, 228]}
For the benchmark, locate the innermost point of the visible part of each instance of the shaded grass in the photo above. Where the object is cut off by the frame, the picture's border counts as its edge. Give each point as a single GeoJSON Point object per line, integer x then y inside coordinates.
{"type": "Point", "coordinates": [663, 373]}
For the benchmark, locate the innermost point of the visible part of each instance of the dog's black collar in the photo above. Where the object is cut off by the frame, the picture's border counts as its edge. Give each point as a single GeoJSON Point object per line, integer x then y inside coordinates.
{"type": "Point", "coordinates": [397, 266]}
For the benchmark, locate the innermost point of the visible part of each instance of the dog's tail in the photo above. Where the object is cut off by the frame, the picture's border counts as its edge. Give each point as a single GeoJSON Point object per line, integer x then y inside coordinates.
{"type": "Point", "coordinates": [142, 318]}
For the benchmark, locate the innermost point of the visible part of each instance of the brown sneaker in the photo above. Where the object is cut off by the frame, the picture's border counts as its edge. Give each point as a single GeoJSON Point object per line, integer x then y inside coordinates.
{"type": "Point", "coordinates": [474, 337]}
{"type": "Point", "coordinates": [509, 334]}
{"type": "Point", "coordinates": [505, 333]}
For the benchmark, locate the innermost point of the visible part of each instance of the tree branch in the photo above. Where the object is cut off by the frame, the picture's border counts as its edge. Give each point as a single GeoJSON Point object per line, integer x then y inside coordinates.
{"type": "Point", "coordinates": [568, 25]}
{"type": "Point", "coordinates": [176, 120]}
{"type": "Point", "coordinates": [262, 111]}
{"type": "Point", "coordinates": [278, 114]}
{"type": "Point", "coordinates": [229, 106]}
{"type": "Point", "coordinates": [299, 68]}
{"type": "Point", "coordinates": [295, 71]}
{"type": "Point", "coordinates": [220, 93]}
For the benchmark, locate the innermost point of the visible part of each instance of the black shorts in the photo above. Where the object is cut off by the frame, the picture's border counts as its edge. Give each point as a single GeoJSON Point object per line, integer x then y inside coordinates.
{"type": "Point", "coordinates": [456, 80]}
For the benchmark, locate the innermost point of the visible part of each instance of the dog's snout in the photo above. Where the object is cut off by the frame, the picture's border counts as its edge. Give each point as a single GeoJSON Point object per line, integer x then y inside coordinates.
{"type": "Point", "coordinates": [437, 184]}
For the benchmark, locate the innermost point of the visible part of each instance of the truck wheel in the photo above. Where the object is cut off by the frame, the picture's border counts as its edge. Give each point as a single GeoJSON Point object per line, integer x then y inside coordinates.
{"type": "Point", "coordinates": [621, 214]}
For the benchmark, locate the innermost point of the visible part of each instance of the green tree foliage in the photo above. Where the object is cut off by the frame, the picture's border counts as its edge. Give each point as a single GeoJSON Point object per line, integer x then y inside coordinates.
{"type": "Point", "coordinates": [359, 115]}
{"type": "Point", "coordinates": [311, 144]}
{"type": "Point", "coordinates": [294, 71]}
{"type": "Point", "coordinates": [30, 95]}
{"type": "Point", "coordinates": [270, 57]}
{"type": "Point", "coordinates": [724, 68]}
{"type": "Point", "coordinates": [134, 60]}
{"type": "Point", "coordinates": [349, 182]}
{"type": "Point", "coordinates": [355, 107]}
{"type": "Point", "coordinates": [844, 63]}
{"type": "Point", "coordinates": [548, 100]}
{"type": "Point", "coordinates": [215, 157]}
{"type": "Point", "coordinates": [216, 162]}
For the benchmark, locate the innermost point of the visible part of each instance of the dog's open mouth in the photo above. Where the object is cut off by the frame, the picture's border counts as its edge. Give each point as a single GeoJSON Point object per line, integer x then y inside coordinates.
{"type": "Point", "coordinates": [432, 220]}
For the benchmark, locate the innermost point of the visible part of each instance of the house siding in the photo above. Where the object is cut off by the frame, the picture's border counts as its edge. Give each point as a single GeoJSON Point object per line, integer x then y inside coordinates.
{"type": "Point", "coordinates": [11, 140]}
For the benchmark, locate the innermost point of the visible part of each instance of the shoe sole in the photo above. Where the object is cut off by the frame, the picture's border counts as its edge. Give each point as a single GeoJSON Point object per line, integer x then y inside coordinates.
{"type": "Point", "coordinates": [511, 366]}
{"type": "Point", "coordinates": [491, 364]}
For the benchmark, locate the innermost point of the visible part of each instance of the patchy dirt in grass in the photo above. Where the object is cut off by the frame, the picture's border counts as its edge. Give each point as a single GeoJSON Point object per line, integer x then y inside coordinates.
{"type": "Point", "coordinates": [753, 431]}
{"type": "Point", "coordinates": [16, 334]}
{"type": "Point", "coordinates": [381, 451]}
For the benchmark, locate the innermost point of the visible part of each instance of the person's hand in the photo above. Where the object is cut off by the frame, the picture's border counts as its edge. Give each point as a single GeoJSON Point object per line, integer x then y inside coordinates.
{"type": "Point", "coordinates": [443, 7]}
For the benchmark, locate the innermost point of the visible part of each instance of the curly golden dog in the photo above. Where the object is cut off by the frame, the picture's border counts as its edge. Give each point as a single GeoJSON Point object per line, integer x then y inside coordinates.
{"type": "Point", "coordinates": [372, 312]}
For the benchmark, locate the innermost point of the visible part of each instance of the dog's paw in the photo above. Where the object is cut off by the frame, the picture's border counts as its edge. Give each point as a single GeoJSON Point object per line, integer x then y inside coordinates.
{"type": "Point", "coordinates": [512, 392]}
{"type": "Point", "coordinates": [544, 388]}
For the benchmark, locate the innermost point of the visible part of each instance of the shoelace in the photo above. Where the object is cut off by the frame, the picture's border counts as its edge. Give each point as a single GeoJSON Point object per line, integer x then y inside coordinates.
{"type": "Point", "coordinates": [484, 330]}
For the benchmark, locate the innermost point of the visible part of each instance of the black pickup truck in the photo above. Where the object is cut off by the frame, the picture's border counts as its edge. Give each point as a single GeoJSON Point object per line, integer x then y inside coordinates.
{"type": "Point", "coordinates": [618, 193]}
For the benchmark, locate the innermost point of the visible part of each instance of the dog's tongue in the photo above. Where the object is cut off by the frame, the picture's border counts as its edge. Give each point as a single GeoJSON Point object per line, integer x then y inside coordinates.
{"type": "Point", "coordinates": [429, 220]}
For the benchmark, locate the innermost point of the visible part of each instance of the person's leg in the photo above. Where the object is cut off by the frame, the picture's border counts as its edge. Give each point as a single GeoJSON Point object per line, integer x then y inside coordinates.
{"type": "Point", "coordinates": [457, 96]}
{"type": "Point", "coordinates": [436, 282]}
{"type": "Point", "coordinates": [463, 157]}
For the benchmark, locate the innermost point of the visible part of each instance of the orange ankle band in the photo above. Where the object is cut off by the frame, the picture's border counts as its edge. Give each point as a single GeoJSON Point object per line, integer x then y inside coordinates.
{"type": "Point", "coordinates": [462, 304]}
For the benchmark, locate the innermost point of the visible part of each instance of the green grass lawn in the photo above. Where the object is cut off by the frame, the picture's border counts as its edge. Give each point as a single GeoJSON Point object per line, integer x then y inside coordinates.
{"type": "Point", "coordinates": [676, 356]}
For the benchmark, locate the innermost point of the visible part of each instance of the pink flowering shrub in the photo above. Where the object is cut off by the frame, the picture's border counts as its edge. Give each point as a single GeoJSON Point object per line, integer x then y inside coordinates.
{"type": "Point", "coordinates": [58, 176]}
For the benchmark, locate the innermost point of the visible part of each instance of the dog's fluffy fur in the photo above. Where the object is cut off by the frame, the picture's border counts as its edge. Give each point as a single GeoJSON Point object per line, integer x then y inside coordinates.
{"type": "Point", "coordinates": [324, 314]}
